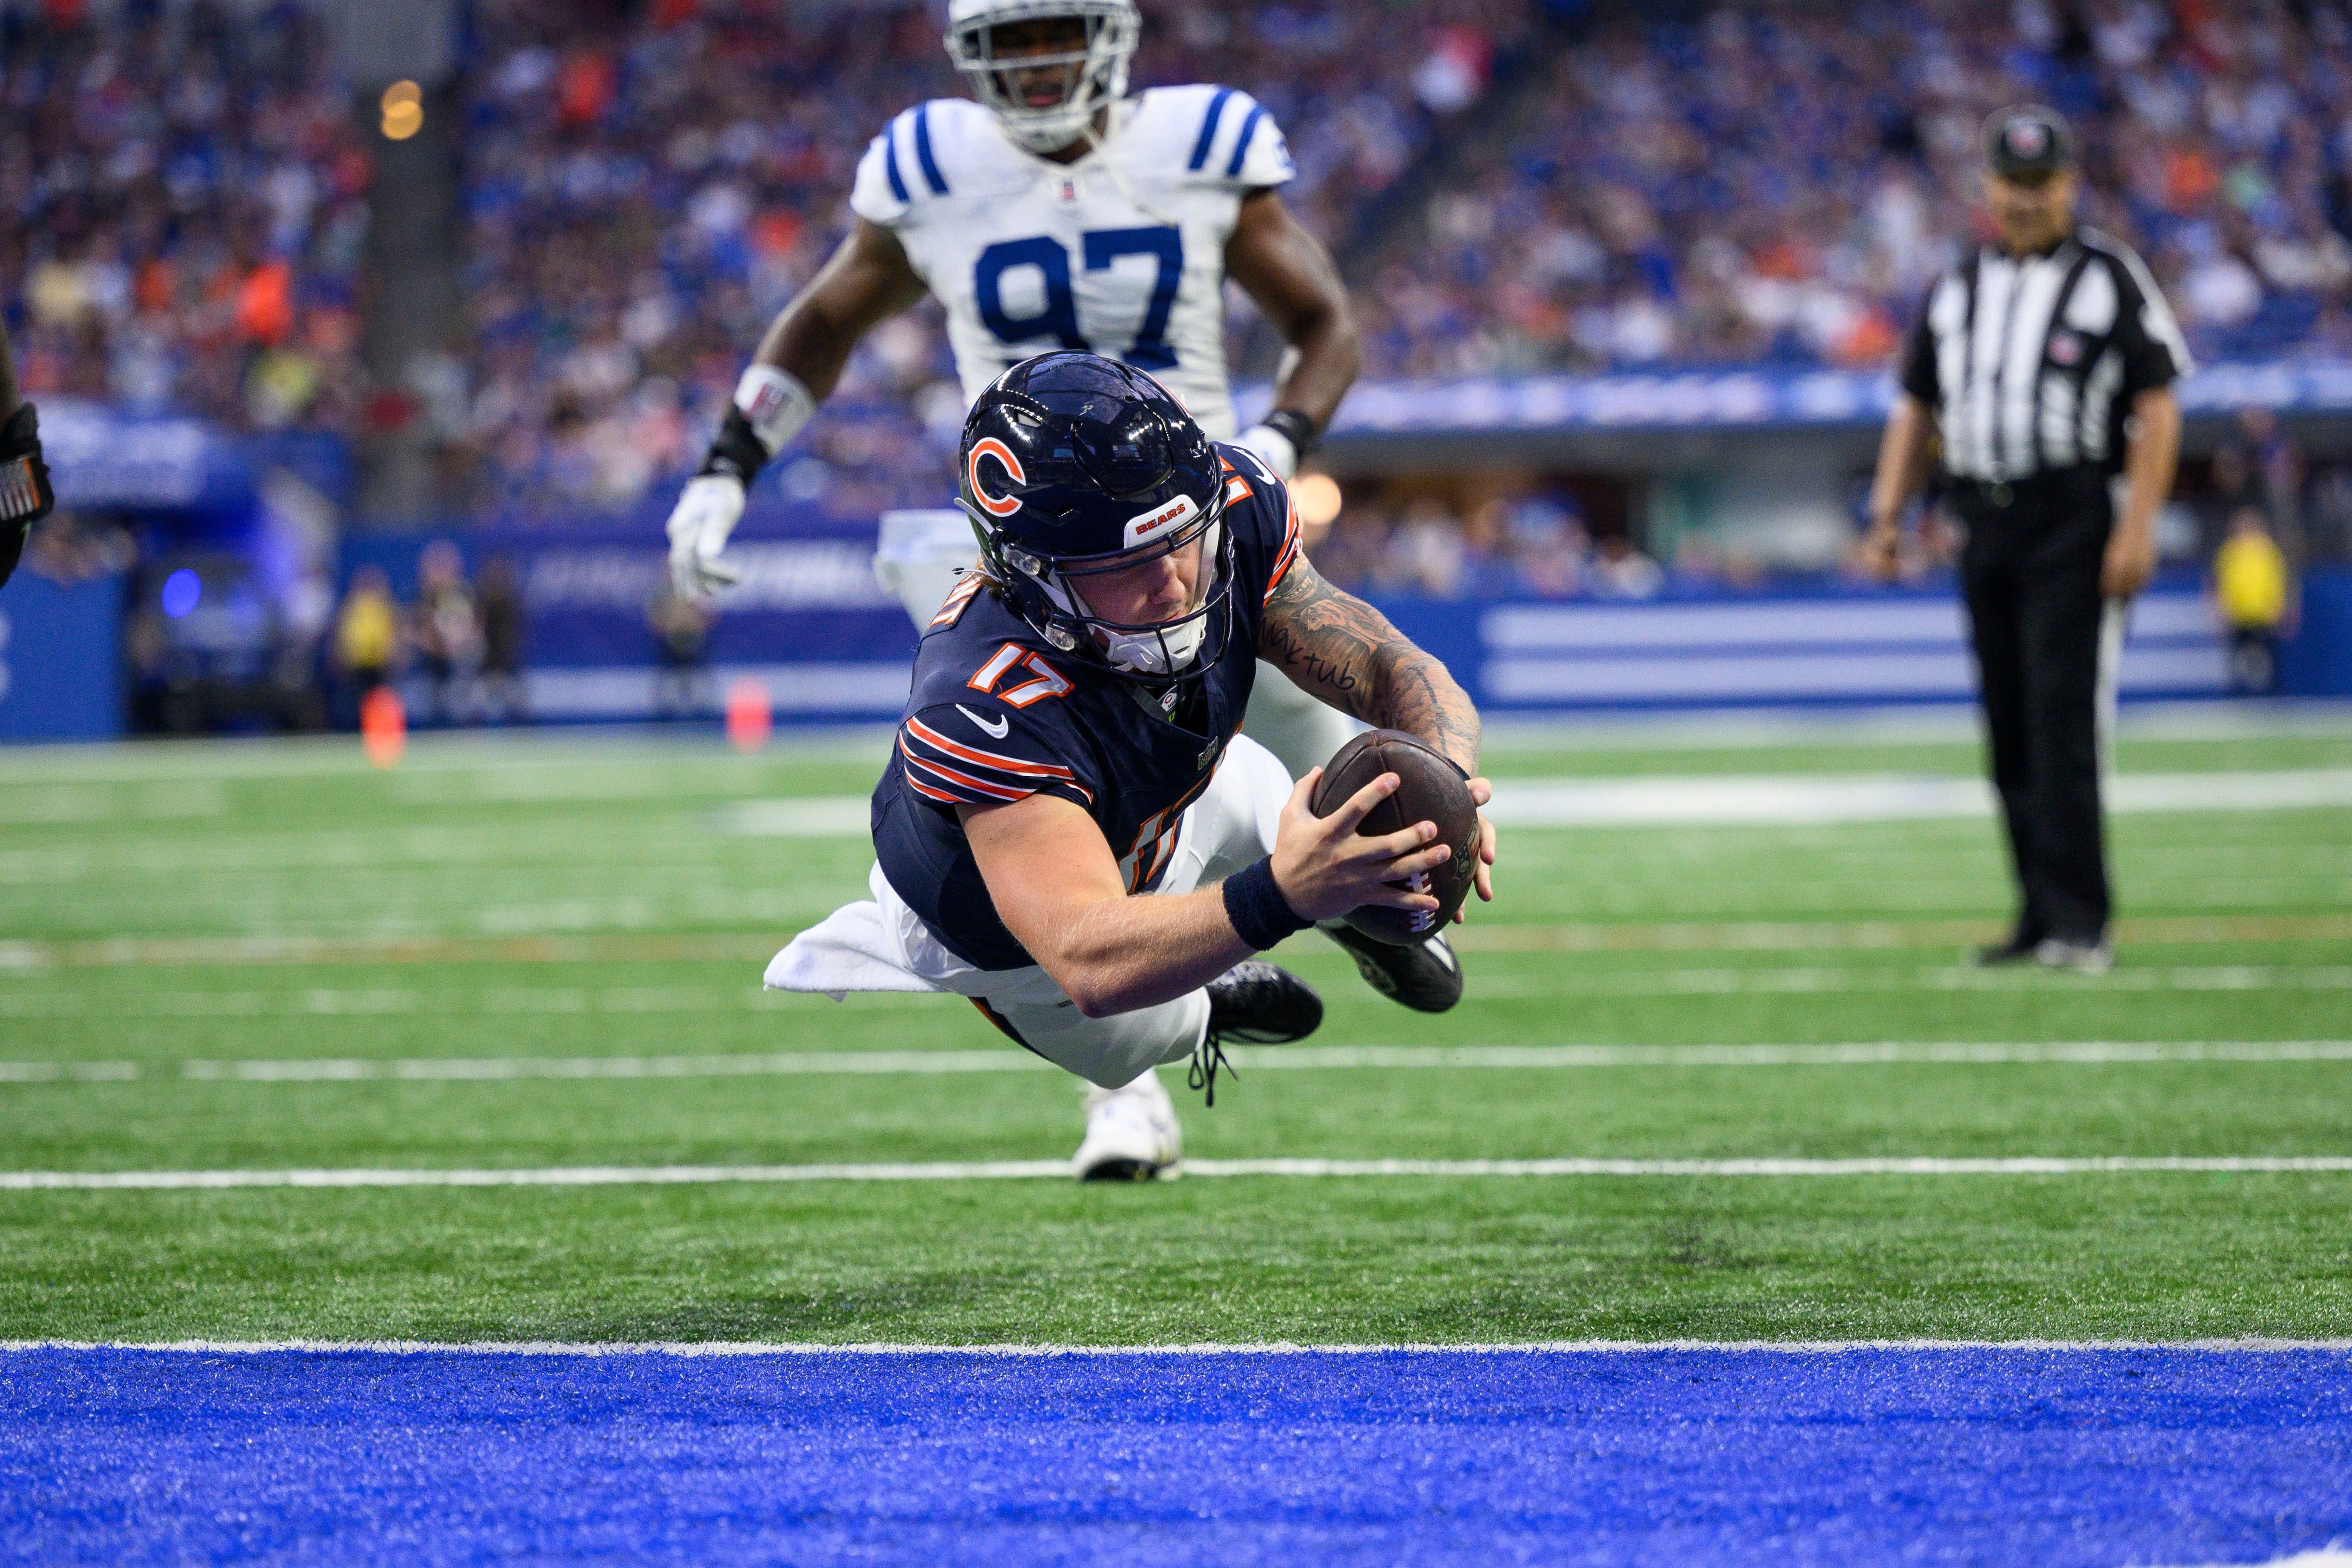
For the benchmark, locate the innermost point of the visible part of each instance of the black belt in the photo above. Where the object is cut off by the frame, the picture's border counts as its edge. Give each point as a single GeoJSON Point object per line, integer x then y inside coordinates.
{"type": "Point", "coordinates": [2050, 485]}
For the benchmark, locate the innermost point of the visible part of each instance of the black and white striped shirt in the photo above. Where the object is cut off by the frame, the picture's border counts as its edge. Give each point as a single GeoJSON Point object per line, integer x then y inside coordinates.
{"type": "Point", "coordinates": [2032, 363]}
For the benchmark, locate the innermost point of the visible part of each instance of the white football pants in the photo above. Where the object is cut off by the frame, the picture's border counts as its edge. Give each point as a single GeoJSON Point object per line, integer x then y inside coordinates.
{"type": "Point", "coordinates": [921, 553]}
{"type": "Point", "coordinates": [886, 946]}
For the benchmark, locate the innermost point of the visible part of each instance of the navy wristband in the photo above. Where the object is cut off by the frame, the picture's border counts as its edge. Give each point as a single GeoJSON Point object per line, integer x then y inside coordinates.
{"type": "Point", "coordinates": [1298, 429]}
{"type": "Point", "coordinates": [738, 451]}
{"type": "Point", "coordinates": [1253, 902]}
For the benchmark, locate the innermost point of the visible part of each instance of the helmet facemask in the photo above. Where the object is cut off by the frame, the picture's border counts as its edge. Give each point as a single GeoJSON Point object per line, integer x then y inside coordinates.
{"type": "Point", "coordinates": [1158, 654]}
{"type": "Point", "coordinates": [1094, 72]}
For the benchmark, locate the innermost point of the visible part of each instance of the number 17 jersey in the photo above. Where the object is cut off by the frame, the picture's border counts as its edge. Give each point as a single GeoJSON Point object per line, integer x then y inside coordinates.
{"type": "Point", "coordinates": [1121, 253]}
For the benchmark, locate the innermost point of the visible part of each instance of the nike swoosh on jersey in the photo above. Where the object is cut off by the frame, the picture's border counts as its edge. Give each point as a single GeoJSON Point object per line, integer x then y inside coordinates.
{"type": "Point", "coordinates": [995, 732]}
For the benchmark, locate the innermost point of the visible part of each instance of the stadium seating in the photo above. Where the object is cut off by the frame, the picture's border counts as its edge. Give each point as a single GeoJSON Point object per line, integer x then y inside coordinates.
{"type": "Point", "coordinates": [1775, 186]}
{"type": "Point", "coordinates": [188, 204]}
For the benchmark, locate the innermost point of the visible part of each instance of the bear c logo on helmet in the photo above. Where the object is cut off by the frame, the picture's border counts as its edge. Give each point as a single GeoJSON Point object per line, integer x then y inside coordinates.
{"type": "Point", "coordinates": [995, 506]}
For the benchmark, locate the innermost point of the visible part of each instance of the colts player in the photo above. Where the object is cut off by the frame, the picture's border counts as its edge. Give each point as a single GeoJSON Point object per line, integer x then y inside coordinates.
{"type": "Point", "coordinates": [1071, 742]}
{"type": "Point", "coordinates": [1056, 212]}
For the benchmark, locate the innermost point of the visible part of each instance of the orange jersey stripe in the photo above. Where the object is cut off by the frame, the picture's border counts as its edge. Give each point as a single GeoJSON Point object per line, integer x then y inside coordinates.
{"type": "Point", "coordinates": [998, 792]}
{"type": "Point", "coordinates": [930, 737]}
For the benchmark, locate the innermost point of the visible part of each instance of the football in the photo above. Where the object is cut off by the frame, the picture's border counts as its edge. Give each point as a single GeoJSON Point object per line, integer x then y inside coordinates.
{"type": "Point", "coordinates": [1430, 788]}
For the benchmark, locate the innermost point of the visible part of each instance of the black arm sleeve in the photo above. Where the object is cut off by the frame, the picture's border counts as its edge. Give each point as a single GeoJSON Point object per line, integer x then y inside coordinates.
{"type": "Point", "coordinates": [1916, 370]}
{"type": "Point", "coordinates": [2146, 334]}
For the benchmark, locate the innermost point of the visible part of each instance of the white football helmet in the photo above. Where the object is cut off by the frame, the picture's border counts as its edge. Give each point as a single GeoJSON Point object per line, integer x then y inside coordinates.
{"type": "Point", "coordinates": [1094, 77]}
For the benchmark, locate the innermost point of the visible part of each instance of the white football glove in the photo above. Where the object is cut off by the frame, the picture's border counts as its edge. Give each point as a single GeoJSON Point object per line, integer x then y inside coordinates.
{"type": "Point", "coordinates": [705, 513]}
{"type": "Point", "coordinates": [1274, 448]}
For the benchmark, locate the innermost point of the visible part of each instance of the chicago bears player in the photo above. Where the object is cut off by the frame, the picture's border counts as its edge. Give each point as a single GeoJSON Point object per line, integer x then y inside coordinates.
{"type": "Point", "coordinates": [1055, 212]}
{"type": "Point", "coordinates": [1071, 743]}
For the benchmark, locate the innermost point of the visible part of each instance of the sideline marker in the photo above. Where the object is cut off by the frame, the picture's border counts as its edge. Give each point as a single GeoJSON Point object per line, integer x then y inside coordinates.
{"type": "Point", "coordinates": [384, 726]}
{"type": "Point", "coordinates": [750, 715]}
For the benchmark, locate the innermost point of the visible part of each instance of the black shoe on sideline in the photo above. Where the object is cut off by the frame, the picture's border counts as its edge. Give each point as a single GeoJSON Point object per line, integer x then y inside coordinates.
{"type": "Point", "coordinates": [2016, 950]}
{"type": "Point", "coordinates": [1425, 977]}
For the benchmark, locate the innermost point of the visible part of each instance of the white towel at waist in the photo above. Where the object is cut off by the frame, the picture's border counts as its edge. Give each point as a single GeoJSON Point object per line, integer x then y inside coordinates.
{"type": "Point", "coordinates": [849, 950]}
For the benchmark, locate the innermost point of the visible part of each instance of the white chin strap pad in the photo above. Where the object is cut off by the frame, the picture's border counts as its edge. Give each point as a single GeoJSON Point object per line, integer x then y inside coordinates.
{"type": "Point", "coordinates": [1161, 653]}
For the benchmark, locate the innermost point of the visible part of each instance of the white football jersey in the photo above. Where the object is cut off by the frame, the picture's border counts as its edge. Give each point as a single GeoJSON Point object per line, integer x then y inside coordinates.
{"type": "Point", "coordinates": [1121, 253]}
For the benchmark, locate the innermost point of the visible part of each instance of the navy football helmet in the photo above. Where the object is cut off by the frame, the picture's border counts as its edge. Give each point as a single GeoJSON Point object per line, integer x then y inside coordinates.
{"type": "Point", "coordinates": [1075, 465]}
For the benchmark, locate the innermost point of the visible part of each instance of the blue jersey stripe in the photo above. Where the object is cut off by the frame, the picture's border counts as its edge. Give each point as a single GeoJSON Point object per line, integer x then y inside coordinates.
{"type": "Point", "coordinates": [923, 151]}
{"type": "Point", "coordinates": [890, 160]}
{"type": "Point", "coordinates": [1240, 147]}
{"type": "Point", "coordinates": [1209, 127]}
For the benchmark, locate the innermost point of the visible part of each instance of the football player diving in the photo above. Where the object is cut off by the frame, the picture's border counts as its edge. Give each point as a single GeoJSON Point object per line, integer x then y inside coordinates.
{"type": "Point", "coordinates": [1055, 212]}
{"type": "Point", "coordinates": [1071, 831]}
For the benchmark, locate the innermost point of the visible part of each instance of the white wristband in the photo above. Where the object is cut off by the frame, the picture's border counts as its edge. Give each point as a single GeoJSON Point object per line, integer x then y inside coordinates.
{"type": "Point", "coordinates": [775, 402]}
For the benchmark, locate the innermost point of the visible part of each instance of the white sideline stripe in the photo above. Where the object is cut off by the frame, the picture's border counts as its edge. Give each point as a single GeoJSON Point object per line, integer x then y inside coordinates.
{"type": "Point", "coordinates": [1291, 1058]}
{"type": "Point", "coordinates": [1059, 1169]}
{"type": "Point", "coordinates": [1770, 800]}
{"type": "Point", "coordinates": [720, 1348]}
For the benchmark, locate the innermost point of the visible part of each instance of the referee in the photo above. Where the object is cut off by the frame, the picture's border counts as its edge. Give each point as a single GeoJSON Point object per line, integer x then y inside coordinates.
{"type": "Point", "coordinates": [25, 497]}
{"type": "Point", "coordinates": [2042, 365]}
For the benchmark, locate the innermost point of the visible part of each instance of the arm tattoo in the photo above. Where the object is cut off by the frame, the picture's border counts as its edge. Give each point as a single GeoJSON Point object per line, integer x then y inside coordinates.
{"type": "Point", "coordinates": [1338, 648]}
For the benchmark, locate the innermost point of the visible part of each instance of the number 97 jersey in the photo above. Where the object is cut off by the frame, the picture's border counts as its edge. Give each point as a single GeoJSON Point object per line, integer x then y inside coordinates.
{"type": "Point", "coordinates": [1121, 253]}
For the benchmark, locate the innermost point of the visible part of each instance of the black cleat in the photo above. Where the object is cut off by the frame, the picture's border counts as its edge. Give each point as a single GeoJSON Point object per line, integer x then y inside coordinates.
{"type": "Point", "coordinates": [2016, 950]}
{"type": "Point", "coordinates": [1426, 978]}
{"type": "Point", "coordinates": [1253, 1003]}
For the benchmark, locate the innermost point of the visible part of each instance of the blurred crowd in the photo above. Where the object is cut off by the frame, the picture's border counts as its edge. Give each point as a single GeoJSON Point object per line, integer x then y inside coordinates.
{"type": "Point", "coordinates": [644, 184]}
{"type": "Point", "coordinates": [1783, 182]}
{"type": "Point", "coordinates": [641, 203]}
{"type": "Point", "coordinates": [1501, 535]}
{"type": "Point", "coordinates": [186, 206]}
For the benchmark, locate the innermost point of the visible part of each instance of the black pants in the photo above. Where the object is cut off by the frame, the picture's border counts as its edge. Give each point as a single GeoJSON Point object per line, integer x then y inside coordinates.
{"type": "Point", "coordinates": [2253, 659]}
{"type": "Point", "coordinates": [2030, 575]}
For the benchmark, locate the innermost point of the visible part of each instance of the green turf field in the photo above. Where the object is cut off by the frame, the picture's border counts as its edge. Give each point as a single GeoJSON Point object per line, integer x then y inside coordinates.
{"type": "Point", "coordinates": [168, 913]}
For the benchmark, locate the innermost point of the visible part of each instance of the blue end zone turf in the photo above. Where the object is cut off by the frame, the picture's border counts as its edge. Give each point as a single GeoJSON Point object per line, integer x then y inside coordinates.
{"type": "Point", "coordinates": [2098, 1457]}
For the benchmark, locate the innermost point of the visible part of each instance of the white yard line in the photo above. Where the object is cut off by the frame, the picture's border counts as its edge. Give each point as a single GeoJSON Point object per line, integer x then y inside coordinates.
{"type": "Point", "coordinates": [1058, 1170]}
{"type": "Point", "coordinates": [733, 1348]}
{"type": "Point", "coordinates": [1697, 932]}
{"type": "Point", "coordinates": [1287, 1058]}
{"type": "Point", "coordinates": [1799, 800]}
{"type": "Point", "coordinates": [1283, 1058]}
{"type": "Point", "coordinates": [1728, 799]}
{"type": "Point", "coordinates": [781, 1064]}
{"type": "Point", "coordinates": [565, 1001]}
{"type": "Point", "coordinates": [1808, 980]}
{"type": "Point", "coordinates": [69, 1072]}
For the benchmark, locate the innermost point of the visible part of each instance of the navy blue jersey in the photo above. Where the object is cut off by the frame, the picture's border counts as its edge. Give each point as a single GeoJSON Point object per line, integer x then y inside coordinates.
{"type": "Point", "coordinates": [998, 715]}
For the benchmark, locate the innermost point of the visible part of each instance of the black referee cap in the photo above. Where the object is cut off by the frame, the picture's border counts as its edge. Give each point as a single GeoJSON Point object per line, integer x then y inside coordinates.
{"type": "Point", "coordinates": [2028, 143]}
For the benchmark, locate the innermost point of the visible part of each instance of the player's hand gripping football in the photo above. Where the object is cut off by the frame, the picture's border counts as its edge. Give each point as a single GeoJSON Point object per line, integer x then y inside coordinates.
{"type": "Point", "coordinates": [705, 513]}
{"type": "Point", "coordinates": [1325, 867]}
{"type": "Point", "coordinates": [1482, 792]}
